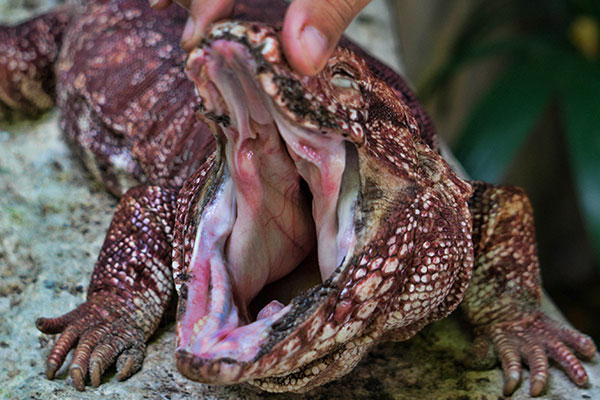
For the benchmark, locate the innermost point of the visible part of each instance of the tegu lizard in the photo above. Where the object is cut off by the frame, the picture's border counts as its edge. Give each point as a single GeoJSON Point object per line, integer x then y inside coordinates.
{"type": "Point", "coordinates": [298, 220]}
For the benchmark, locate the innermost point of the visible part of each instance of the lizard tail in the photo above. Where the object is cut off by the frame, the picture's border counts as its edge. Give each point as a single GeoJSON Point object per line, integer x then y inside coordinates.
{"type": "Point", "coordinates": [27, 54]}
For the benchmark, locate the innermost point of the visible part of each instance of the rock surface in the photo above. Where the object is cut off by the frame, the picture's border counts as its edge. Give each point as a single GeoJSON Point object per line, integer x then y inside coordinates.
{"type": "Point", "coordinates": [53, 218]}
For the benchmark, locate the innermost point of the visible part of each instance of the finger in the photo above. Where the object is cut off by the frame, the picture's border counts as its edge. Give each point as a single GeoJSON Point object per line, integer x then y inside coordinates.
{"type": "Point", "coordinates": [81, 358]}
{"type": "Point", "coordinates": [538, 364]}
{"type": "Point", "coordinates": [312, 28]}
{"type": "Point", "coordinates": [572, 366]}
{"type": "Point", "coordinates": [579, 342]}
{"type": "Point", "coordinates": [130, 362]}
{"type": "Point", "coordinates": [159, 4]}
{"type": "Point", "coordinates": [103, 356]}
{"type": "Point", "coordinates": [202, 14]}
{"type": "Point", "coordinates": [510, 359]}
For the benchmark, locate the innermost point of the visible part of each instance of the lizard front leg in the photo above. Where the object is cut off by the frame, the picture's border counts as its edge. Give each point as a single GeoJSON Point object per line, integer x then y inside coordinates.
{"type": "Point", "coordinates": [130, 289]}
{"type": "Point", "coordinates": [27, 55]}
{"type": "Point", "coordinates": [503, 299]}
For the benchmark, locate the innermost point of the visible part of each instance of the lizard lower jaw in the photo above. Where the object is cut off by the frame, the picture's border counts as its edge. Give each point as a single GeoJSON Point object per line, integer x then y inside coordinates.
{"type": "Point", "coordinates": [284, 197]}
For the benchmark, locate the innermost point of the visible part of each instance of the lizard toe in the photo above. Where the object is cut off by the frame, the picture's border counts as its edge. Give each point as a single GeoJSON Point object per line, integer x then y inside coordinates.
{"type": "Point", "coordinates": [582, 344]}
{"type": "Point", "coordinates": [61, 348]}
{"type": "Point", "coordinates": [103, 356]}
{"type": "Point", "coordinates": [535, 338]}
{"type": "Point", "coordinates": [88, 341]}
{"type": "Point", "coordinates": [535, 356]}
{"type": "Point", "coordinates": [563, 356]}
{"type": "Point", "coordinates": [510, 358]}
{"type": "Point", "coordinates": [130, 361]}
{"type": "Point", "coordinates": [556, 339]}
{"type": "Point", "coordinates": [77, 374]}
{"type": "Point", "coordinates": [101, 330]}
{"type": "Point", "coordinates": [71, 326]}
{"type": "Point", "coordinates": [56, 325]}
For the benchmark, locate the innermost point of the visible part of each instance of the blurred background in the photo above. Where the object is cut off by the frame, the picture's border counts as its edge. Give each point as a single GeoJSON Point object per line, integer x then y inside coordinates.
{"type": "Point", "coordinates": [514, 89]}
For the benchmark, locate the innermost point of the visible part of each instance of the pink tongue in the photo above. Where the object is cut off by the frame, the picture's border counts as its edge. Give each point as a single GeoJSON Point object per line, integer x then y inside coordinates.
{"type": "Point", "coordinates": [270, 309]}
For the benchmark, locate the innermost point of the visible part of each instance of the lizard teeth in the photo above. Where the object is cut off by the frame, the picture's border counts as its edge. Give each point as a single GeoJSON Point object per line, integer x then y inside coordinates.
{"type": "Point", "coordinates": [228, 27]}
{"type": "Point", "coordinates": [270, 50]}
{"type": "Point", "coordinates": [238, 31]}
{"type": "Point", "coordinates": [266, 81]}
{"type": "Point", "coordinates": [220, 29]}
{"type": "Point", "coordinates": [256, 34]}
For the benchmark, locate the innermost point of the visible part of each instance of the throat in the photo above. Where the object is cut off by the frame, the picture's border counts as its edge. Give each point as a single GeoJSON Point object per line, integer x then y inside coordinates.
{"type": "Point", "coordinates": [329, 167]}
{"type": "Point", "coordinates": [273, 229]}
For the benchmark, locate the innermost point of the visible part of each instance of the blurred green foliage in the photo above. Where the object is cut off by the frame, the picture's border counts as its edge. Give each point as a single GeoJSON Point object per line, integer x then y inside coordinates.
{"type": "Point", "coordinates": [551, 53]}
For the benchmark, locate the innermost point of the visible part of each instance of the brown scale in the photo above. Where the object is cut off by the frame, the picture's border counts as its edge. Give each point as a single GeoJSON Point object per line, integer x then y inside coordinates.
{"type": "Point", "coordinates": [128, 110]}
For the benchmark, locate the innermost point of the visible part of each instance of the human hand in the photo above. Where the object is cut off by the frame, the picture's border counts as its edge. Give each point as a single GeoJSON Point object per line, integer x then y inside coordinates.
{"type": "Point", "coordinates": [311, 28]}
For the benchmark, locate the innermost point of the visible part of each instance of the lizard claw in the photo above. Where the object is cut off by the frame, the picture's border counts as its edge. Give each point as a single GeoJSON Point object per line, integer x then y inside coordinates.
{"type": "Point", "coordinates": [101, 332]}
{"type": "Point", "coordinates": [533, 338]}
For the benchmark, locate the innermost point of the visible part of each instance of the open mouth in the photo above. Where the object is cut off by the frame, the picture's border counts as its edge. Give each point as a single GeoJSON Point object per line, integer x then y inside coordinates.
{"type": "Point", "coordinates": [280, 218]}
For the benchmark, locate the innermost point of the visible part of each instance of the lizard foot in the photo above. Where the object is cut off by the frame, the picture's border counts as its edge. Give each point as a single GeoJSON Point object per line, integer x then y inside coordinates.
{"type": "Point", "coordinates": [535, 337]}
{"type": "Point", "coordinates": [102, 330]}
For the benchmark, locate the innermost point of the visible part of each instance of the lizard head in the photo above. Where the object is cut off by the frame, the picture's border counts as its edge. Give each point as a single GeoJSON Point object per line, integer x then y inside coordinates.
{"type": "Point", "coordinates": [321, 224]}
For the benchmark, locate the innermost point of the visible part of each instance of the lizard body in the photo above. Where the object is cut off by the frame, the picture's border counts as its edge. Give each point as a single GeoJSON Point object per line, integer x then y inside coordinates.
{"type": "Point", "coordinates": [337, 175]}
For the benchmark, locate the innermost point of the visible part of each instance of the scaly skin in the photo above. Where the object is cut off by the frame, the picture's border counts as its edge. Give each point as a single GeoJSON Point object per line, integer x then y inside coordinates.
{"type": "Point", "coordinates": [130, 290]}
{"type": "Point", "coordinates": [420, 234]}
{"type": "Point", "coordinates": [27, 54]}
{"type": "Point", "coordinates": [503, 303]}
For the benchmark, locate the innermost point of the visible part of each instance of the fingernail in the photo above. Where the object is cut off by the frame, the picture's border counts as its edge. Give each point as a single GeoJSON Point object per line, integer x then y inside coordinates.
{"type": "Point", "coordinates": [314, 46]}
{"type": "Point", "coordinates": [153, 2]}
{"type": "Point", "coordinates": [188, 31]}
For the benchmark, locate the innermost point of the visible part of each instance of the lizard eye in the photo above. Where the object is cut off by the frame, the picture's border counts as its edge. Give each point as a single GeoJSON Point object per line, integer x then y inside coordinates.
{"type": "Point", "coordinates": [344, 83]}
{"type": "Point", "coordinates": [344, 77]}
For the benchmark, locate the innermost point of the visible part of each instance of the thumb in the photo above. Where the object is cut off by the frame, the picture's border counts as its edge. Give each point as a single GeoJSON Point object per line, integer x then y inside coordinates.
{"type": "Point", "coordinates": [202, 14]}
{"type": "Point", "coordinates": [312, 28]}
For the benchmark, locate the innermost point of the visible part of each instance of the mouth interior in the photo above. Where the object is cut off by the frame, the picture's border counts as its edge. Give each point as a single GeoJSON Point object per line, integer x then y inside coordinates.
{"type": "Point", "coordinates": [282, 217]}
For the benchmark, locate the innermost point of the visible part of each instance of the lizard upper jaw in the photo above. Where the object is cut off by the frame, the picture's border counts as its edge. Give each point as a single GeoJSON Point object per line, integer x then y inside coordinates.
{"type": "Point", "coordinates": [261, 222]}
